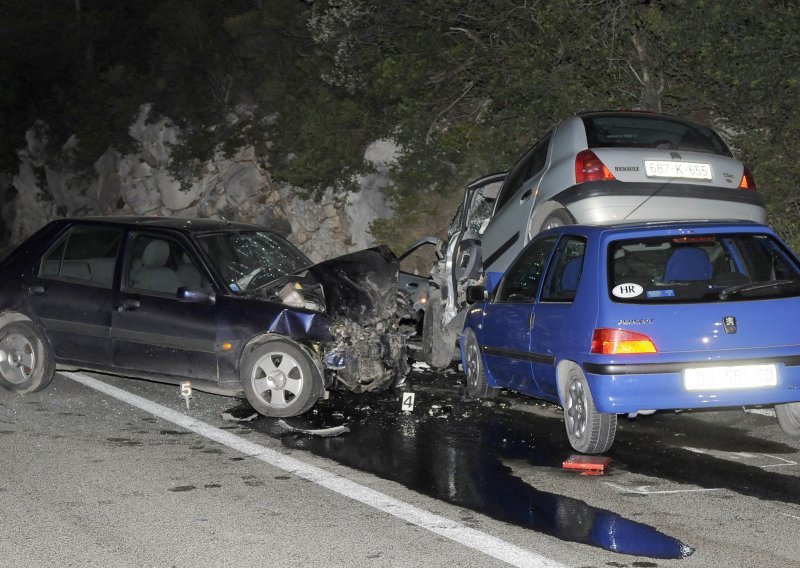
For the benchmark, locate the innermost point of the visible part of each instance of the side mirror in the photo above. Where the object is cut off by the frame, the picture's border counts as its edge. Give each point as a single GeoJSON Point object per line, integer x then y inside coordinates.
{"type": "Point", "coordinates": [196, 295]}
{"type": "Point", "coordinates": [476, 294]}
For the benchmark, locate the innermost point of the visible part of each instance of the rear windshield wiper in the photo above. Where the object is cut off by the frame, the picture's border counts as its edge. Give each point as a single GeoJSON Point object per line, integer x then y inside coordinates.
{"type": "Point", "coordinates": [738, 288]}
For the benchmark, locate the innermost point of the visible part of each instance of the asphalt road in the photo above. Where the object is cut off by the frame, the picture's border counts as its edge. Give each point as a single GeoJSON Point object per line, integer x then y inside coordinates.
{"type": "Point", "coordinates": [130, 477]}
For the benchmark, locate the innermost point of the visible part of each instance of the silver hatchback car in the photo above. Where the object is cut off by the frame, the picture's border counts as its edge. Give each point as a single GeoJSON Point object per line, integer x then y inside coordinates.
{"type": "Point", "coordinates": [605, 167]}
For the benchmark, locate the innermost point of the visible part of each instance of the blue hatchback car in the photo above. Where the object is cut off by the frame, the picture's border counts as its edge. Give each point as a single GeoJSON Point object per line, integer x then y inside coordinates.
{"type": "Point", "coordinates": [606, 320]}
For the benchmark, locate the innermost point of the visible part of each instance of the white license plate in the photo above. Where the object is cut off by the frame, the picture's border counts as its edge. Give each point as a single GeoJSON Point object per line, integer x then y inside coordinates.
{"type": "Point", "coordinates": [685, 170]}
{"type": "Point", "coordinates": [736, 377]}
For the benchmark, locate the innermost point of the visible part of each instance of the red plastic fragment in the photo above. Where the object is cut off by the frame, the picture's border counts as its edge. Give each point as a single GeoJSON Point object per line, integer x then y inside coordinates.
{"type": "Point", "coordinates": [588, 465]}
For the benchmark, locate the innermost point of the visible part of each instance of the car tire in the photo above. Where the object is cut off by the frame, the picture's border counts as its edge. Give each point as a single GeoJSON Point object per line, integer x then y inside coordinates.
{"type": "Point", "coordinates": [26, 359]}
{"type": "Point", "coordinates": [477, 385]}
{"type": "Point", "coordinates": [280, 379]}
{"type": "Point", "coordinates": [558, 218]}
{"type": "Point", "coordinates": [789, 418]}
{"type": "Point", "coordinates": [589, 431]}
{"type": "Point", "coordinates": [438, 345]}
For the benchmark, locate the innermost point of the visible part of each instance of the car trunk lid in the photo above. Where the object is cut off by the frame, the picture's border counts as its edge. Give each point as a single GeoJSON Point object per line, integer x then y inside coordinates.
{"type": "Point", "coordinates": [653, 165]}
{"type": "Point", "coordinates": [712, 329]}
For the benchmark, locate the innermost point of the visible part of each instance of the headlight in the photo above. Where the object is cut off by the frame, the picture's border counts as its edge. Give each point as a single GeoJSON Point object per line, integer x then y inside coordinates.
{"type": "Point", "coordinates": [291, 295]}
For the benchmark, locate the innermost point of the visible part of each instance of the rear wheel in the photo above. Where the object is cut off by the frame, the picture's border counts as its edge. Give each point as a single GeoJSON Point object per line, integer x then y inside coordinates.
{"type": "Point", "coordinates": [26, 360]}
{"type": "Point", "coordinates": [589, 431]}
{"type": "Point", "coordinates": [558, 218]}
{"type": "Point", "coordinates": [789, 418]}
{"type": "Point", "coordinates": [477, 385]}
{"type": "Point", "coordinates": [280, 379]}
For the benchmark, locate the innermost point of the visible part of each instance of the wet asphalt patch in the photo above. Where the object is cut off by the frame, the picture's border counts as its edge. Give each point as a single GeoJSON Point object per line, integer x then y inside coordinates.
{"type": "Point", "coordinates": [453, 449]}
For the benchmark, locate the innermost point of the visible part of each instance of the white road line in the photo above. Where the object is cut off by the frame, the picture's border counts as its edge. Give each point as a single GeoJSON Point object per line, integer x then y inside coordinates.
{"type": "Point", "coordinates": [739, 456]}
{"type": "Point", "coordinates": [643, 489]}
{"type": "Point", "coordinates": [492, 546]}
{"type": "Point", "coordinates": [786, 462]}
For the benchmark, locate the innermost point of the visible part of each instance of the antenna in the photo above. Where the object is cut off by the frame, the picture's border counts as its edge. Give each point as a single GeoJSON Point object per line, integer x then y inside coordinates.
{"type": "Point", "coordinates": [648, 198]}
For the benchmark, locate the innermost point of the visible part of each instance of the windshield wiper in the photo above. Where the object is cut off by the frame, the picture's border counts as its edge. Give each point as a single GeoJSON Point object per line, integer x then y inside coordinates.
{"type": "Point", "coordinates": [738, 288]}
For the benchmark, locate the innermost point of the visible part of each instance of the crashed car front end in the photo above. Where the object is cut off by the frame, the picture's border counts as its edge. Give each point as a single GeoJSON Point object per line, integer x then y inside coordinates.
{"type": "Point", "coordinates": [368, 352]}
{"type": "Point", "coordinates": [364, 349]}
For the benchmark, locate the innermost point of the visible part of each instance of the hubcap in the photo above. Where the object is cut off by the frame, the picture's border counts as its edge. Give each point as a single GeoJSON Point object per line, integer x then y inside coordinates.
{"type": "Point", "coordinates": [277, 379]}
{"type": "Point", "coordinates": [17, 358]}
{"type": "Point", "coordinates": [473, 363]}
{"type": "Point", "coordinates": [576, 409]}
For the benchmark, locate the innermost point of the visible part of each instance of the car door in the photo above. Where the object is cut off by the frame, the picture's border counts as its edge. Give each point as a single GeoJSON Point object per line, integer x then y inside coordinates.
{"type": "Point", "coordinates": [509, 317]}
{"type": "Point", "coordinates": [559, 317]}
{"type": "Point", "coordinates": [464, 246]}
{"type": "Point", "coordinates": [70, 292]}
{"type": "Point", "coordinates": [477, 209]}
{"type": "Point", "coordinates": [506, 233]}
{"type": "Point", "coordinates": [153, 332]}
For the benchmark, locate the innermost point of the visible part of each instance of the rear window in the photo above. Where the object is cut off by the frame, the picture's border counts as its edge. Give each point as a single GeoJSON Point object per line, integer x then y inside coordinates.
{"type": "Point", "coordinates": [651, 131]}
{"type": "Point", "coordinates": [707, 268]}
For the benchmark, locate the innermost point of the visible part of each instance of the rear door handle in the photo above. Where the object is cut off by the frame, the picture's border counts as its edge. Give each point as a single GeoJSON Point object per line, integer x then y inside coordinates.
{"type": "Point", "coordinates": [526, 195]}
{"type": "Point", "coordinates": [36, 290]}
{"type": "Point", "coordinates": [128, 304]}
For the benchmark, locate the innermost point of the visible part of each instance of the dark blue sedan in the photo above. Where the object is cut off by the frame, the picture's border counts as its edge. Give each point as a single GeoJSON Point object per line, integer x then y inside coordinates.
{"type": "Point", "coordinates": [230, 307]}
{"type": "Point", "coordinates": [605, 320]}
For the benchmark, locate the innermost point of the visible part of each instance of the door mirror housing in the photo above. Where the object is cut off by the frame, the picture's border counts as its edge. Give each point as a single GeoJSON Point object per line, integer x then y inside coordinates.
{"type": "Point", "coordinates": [195, 295]}
{"type": "Point", "coordinates": [476, 294]}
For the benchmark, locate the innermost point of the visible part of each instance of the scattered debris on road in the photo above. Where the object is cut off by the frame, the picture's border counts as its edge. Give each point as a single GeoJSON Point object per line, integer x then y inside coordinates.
{"type": "Point", "coordinates": [321, 432]}
{"type": "Point", "coordinates": [587, 465]}
{"type": "Point", "coordinates": [228, 417]}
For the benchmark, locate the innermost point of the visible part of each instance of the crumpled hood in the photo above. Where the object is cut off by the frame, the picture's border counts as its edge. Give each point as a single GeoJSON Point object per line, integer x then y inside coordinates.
{"type": "Point", "coordinates": [360, 286]}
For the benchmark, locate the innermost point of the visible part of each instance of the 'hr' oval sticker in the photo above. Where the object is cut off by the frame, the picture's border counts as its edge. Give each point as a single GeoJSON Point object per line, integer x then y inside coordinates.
{"type": "Point", "coordinates": [627, 290]}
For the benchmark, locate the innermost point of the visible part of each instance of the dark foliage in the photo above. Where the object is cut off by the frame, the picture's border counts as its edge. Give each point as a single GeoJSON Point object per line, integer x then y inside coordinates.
{"type": "Point", "coordinates": [464, 86]}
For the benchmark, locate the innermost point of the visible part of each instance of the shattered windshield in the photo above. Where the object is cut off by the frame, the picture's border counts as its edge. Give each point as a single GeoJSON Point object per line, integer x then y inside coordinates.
{"type": "Point", "coordinates": [247, 260]}
{"type": "Point", "coordinates": [702, 268]}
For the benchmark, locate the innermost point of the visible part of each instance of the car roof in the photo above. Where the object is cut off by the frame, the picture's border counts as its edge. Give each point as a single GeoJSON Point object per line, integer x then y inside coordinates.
{"type": "Point", "coordinates": [590, 114]}
{"type": "Point", "coordinates": [176, 223]}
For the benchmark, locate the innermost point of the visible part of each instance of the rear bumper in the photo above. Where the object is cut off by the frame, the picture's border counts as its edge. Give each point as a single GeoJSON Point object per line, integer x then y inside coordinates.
{"type": "Point", "coordinates": [608, 202]}
{"type": "Point", "coordinates": [620, 389]}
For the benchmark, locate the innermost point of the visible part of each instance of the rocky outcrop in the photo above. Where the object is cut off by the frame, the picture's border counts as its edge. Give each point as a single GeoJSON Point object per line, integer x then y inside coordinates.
{"type": "Point", "coordinates": [238, 188]}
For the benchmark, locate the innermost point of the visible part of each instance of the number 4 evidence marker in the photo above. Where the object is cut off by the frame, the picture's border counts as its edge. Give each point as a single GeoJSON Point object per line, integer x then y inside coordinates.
{"type": "Point", "coordinates": [407, 402]}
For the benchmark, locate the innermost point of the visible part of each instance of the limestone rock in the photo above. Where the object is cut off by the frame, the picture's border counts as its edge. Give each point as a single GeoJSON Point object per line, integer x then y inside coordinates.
{"type": "Point", "coordinates": [237, 187]}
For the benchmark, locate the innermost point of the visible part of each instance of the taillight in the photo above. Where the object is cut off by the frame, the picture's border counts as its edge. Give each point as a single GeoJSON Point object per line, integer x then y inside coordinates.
{"type": "Point", "coordinates": [748, 181]}
{"type": "Point", "coordinates": [619, 341]}
{"type": "Point", "coordinates": [588, 167]}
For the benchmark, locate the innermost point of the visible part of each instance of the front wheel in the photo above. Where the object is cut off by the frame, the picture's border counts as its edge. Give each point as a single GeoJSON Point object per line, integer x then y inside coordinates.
{"type": "Point", "coordinates": [789, 418]}
{"type": "Point", "coordinates": [477, 385]}
{"type": "Point", "coordinates": [589, 431]}
{"type": "Point", "coordinates": [26, 360]}
{"type": "Point", "coordinates": [280, 379]}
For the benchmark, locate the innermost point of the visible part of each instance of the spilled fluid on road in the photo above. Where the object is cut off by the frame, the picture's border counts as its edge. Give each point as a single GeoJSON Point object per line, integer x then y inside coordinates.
{"type": "Point", "coordinates": [454, 452]}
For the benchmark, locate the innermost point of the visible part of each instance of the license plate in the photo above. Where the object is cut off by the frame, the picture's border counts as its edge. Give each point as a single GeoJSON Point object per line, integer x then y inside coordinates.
{"type": "Point", "coordinates": [736, 377]}
{"type": "Point", "coordinates": [684, 170]}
